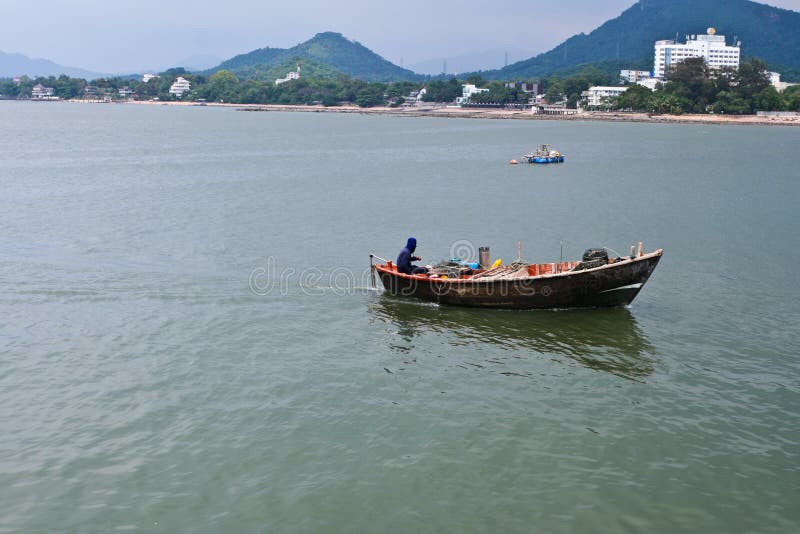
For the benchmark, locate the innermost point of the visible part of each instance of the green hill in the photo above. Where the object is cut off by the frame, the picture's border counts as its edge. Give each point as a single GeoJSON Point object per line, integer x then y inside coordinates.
{"type": "Point", "coordinates": [766, 32]}
{"type": "Point", "coordinates": [239, 64]}
{"type": "Point", "coordinates": [269, 73]}
{"type": "Point", "coordinates": [330, 49]}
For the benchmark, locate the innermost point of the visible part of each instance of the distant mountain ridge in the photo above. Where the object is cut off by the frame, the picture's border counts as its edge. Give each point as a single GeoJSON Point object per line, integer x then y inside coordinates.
{"type": "Point", "coordinates": [769, 33]}
{"type": "Point", "coordinates": [328, 48]}
{"type": "Point", "coordinates": [12, 65]}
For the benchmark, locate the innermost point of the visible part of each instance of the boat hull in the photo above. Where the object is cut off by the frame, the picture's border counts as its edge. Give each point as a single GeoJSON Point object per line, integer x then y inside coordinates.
{"type": "Point", "coordinates": [616, 284]}
{"type": "Point", "coordinates": [543, 159]}
{"type": "Point", "coordinates": [549, 159]}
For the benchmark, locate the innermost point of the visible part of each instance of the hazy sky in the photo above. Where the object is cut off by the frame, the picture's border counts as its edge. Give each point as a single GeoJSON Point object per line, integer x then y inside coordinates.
{"type": "Point", "coordinates": [117, 36]}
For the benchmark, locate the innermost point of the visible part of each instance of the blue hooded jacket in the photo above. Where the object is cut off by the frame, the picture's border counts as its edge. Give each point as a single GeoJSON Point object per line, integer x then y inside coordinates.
{"type": "Point", "coordinates": [405, 257]}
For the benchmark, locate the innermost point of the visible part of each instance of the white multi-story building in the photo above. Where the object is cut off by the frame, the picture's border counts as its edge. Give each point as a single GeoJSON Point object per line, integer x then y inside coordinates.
{"type": "Point", "coordinates": [710, 47]}
{"type": "Point", "coordinates": [650, 83]}
{"type": "Point", "coordinates": [180, 86]}
{"type": "Point", "coordinates": [414, 98]}
{"type": "Point", "coordinates": [599, 95]}
{"type": "Point", "coordinates": [40, 92]}
{"type": "Point", "coordinates": [467, 90]}
{"type": "Point", "coordinates": [633, 76]}
{"type": "Point", "coordinates": [293, 75]}
{"type": "Point", "coordinates": [639, 77]}
{"type": "Point", "coordinates": [147, 77]}
{"type": "Point", "coordinates": [775, 80]}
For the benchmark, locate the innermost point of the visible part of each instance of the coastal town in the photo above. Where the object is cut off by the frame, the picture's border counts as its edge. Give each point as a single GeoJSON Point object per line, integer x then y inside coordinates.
{"type": "Point", "coordinates": [778, 103]}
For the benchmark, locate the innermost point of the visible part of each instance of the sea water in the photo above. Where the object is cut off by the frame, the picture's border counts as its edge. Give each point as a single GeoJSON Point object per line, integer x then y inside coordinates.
{"type": "Point", "coordinates": [190, 340]}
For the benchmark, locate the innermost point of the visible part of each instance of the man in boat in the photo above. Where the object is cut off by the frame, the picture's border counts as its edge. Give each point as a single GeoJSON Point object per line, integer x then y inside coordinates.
{"type": "Point", "coordinates": [405, 258]}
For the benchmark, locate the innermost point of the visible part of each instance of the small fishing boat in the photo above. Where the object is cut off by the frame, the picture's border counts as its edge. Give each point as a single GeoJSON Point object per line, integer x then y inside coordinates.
{"type": "Point", "coordinates": [595, 281]}
{"type": "Point", "coordinates": [543, 154]}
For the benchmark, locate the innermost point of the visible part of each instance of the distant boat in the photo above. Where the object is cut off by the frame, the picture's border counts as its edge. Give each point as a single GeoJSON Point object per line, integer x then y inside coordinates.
{"type": "Point", "coordinates": [596, 281]}
{"type": "Point", "coordinates": [544, 154]}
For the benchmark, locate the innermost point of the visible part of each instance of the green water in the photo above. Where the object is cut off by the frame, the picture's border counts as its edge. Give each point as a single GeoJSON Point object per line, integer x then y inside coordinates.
{"type": "Point", "coordinates": [189, 342]}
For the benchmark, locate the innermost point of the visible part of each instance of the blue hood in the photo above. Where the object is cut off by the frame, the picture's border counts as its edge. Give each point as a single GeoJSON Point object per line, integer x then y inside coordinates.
{"type": "Point", "coordinates": [412, 244]}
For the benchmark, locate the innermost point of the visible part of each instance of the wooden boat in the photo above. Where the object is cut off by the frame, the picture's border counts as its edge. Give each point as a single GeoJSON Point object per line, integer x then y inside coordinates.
{"type": "Point", "coordinates": [530, 286]}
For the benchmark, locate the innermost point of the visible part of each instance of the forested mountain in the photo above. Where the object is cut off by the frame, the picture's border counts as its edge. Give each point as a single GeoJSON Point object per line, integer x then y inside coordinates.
{"type": "Point", "coordinates": [242, 64]}
{"type": "Point", "coordinates": [769, 33]}
{"type": "Point", "coordinates": [309, 68]}
{"type": "Point", "coordinates": [335, 51]}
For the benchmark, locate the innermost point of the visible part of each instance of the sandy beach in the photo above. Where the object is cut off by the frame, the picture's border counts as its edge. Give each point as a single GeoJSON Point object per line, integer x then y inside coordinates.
{"type": "Point", "coordinates": [472, 113]}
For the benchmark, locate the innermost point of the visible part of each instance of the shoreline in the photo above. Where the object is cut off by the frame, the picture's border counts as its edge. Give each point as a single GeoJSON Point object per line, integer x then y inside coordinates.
{"type": "Point", "coordinates": [473, 113]}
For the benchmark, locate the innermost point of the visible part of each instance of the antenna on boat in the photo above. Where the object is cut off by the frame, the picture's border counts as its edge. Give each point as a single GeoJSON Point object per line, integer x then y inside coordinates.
{"type": "Point", "coordinates": [519, 251]}
{"type": "Point", "coordinates": [561, 256]}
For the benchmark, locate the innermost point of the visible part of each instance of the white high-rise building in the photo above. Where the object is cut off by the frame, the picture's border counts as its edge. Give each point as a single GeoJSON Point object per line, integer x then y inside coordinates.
{"type": "Point", "coordinates": [710, 47]}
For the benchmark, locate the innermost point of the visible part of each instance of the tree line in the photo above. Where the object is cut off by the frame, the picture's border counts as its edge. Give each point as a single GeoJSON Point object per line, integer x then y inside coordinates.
{"type": "Point", "coordinates": [690, 87]}
{"type": "Point", "coordinates": [222, 86]}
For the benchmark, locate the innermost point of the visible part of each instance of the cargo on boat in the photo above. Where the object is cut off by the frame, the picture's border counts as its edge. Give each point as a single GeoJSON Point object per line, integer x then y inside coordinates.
{"type": "Point", "coordinates": [595, 281]}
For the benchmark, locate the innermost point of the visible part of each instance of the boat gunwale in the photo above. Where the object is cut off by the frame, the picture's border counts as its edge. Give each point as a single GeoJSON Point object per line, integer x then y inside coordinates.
{"type": "Point", "coordinates": [424, 278]}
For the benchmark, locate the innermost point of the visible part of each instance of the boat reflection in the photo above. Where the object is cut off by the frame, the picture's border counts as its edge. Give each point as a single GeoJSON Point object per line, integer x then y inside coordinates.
{"type": "Point", "coordinates": [605, 339]}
